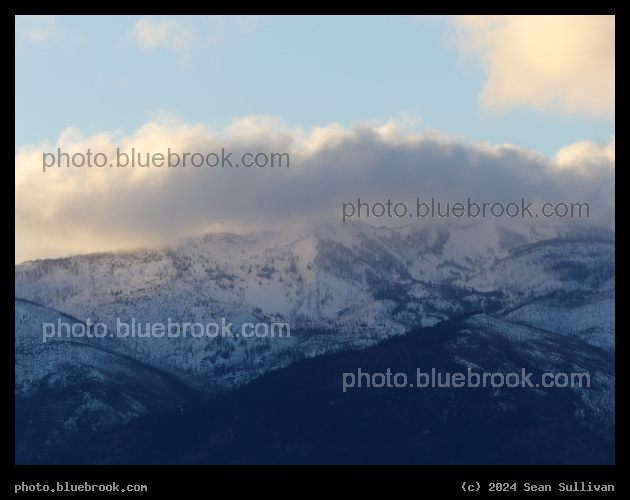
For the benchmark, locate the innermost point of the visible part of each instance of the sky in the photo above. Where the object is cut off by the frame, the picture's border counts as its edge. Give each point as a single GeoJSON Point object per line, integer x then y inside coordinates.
{"type": "Point", "coordinates": [493, 107]}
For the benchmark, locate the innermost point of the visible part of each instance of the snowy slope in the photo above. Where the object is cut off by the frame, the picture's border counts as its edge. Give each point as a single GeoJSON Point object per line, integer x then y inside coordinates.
{"type": "Point", "coordinates": [338, 287]}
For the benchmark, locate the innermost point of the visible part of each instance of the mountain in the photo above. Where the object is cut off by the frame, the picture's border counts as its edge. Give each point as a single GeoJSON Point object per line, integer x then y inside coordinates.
{"type": "Point", "coordinates": [303, 415]}
{"type": "Point", "coordinates": [541, 291]}
{"type": "Point", "coordinates": [66, 390]}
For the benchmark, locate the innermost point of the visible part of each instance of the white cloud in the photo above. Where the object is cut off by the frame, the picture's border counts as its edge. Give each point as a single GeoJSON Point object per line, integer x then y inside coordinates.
{"type": "Point", "coordinates": [191, 33]}
{"type": "Point", "coordinates": [167, 33]}
{"type": "Point", "coordinates": [75, 210]}
{"type": "Point", "coordinates": [586, 157]}
{"type": "Point", "coordinates": [34, 28]}
{"type": "Point", "coordinates": [563, 64]}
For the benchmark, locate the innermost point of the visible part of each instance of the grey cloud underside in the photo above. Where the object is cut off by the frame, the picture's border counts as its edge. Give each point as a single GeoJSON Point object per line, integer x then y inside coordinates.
{"type": "Point", "coordinates": [317, 184]}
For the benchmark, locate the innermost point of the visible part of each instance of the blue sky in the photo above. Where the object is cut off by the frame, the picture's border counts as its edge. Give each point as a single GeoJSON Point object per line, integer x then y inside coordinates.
{"type": "Point", "coordinates": [95, 74]}
{"type": "Point", "coordinates": [483, 107]}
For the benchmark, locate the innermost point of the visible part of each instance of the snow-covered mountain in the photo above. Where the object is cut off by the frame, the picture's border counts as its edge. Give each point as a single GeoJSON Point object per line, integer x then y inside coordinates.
{"type": "Point", "coordinates": [338, 286]}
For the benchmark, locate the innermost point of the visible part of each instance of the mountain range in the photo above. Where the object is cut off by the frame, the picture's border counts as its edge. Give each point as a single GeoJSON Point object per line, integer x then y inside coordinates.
{"type": "Point", "coordinates": [485, 296]}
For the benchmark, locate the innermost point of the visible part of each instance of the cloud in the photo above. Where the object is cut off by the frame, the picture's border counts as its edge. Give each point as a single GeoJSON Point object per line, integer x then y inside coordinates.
{"type": "Point", "coordinates": [34, 28]}
{"type": "Point", "coordinates": [169, 33]}
{"type": "Point", "coordinates": [76, 210]}
{"type": "Point", "coordinates": [586, 157]}
{"type": "Point", "coordinates": [181, 37]}
{"type": "Point", "coordinates": [562, 64]}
